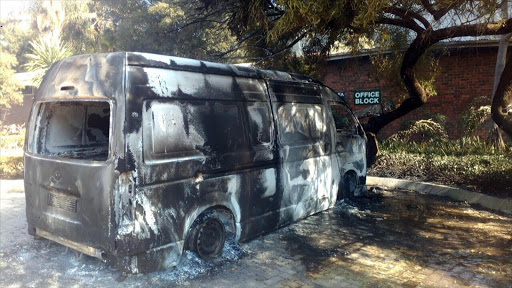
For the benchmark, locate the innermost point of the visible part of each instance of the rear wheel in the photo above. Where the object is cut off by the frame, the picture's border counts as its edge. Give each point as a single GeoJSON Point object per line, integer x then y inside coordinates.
{"type": "Point", "coordinates": [208, 237]}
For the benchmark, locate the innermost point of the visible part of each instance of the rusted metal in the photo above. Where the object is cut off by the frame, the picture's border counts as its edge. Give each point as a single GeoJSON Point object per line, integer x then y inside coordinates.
{"type": "Point", "coordinates": [87, 250]}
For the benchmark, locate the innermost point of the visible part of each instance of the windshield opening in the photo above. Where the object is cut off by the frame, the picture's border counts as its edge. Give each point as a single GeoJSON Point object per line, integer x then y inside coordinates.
{"type": "Point", "coordinates": [76, 130]}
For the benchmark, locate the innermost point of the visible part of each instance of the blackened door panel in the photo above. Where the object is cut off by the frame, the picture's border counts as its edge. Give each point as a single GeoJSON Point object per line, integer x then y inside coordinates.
{"type": "Point", "coordinates": [199, 140]}
{"type": "Point", "coordinates": [304, 169]}
{"type": "Point", "coordinates": [70, 199]}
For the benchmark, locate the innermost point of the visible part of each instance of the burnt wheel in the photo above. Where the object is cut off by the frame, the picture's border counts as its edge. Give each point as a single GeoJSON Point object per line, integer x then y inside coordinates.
{"type": "Point", "coordinates": [348, 186]}
{"type": "Point", "coordinates": [209, 239]}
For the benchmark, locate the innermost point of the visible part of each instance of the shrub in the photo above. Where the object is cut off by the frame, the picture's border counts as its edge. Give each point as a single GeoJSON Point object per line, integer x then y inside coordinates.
{"type": "Point", "coordinates": [11, 167]}
{"type": "Point", "coordinates": [12, 137]}
{"type": "Point", "coordinates": [489, 174]}
{"type": "Point", "coordinates": [475, 115]}
{"type": "Point", "coordinates": [12, 142]}
{"type": "Point", "coordinates": [444, 147]}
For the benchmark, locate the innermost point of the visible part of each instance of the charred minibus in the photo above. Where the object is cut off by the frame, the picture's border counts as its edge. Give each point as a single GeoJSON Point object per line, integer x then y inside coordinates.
{"type": "Point", "coordinates": [132, 157]}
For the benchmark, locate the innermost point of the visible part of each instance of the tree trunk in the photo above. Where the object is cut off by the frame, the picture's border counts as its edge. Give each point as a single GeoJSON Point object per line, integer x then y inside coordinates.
{"type": "Point", "coordinates": [417, 95]}
{"type": "Point", "coordinates": [372, 149]}
{"type": "Point", "coordinates": [495, 135]}
{"type": "Point", "coordinates": [501, 108]}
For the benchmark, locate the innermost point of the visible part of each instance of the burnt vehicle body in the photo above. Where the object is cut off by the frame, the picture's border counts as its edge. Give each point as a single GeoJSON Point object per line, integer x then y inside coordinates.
{"type": "Point", "coordinates": [133, 157]}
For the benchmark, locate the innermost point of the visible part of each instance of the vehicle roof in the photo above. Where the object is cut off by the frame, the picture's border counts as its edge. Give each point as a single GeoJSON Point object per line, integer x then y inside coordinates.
{"type": "Point", "coordinates": [102, 74]}
{"type": "Point", "coordinates": [185, 64]}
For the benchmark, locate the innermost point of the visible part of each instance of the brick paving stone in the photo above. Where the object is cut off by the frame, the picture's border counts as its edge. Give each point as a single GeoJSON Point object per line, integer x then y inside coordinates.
{"type": "Point", "coordinates": [287, 270]}
{"type": "Point", "coordinates": [322, 283]}
{"type": "Point", "coordinates": [361, 259]}
{"type": "Point", "coordinates": [258, 276]}
{"type": "Point", "coordinates": [273, 280]}
{"type": "Point", "coordinates": [294, 284]}
{"type": "Point", "coordinates": [253, 284]}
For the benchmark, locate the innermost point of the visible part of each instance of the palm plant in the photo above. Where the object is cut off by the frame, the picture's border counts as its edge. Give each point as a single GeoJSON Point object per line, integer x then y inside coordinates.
{"type": "Point", "coordinates": [45, 52]}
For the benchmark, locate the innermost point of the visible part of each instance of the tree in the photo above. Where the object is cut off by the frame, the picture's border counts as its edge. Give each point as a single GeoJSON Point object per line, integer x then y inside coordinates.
{"type": "Point", "coordinates": [48, 17]}
{"type": "Point", "coordinates": [10, 92]}
{"type": "Point", "coordinates": [10, 88]}
{"type": "Point", "coordinates": [425, 22]}
{"type": "Point", "coordinates": [84, 25]}
{"type": "Point", "coordinates": [45, 51]}
{"type": "Point", "coordinates": [501, 108]}
{"type": "Point", "coordinates": [501, 60]}
{"type": "Point", "coordinates": [162, 27]}
{"type": "Point", "coordinates": [18, 40]}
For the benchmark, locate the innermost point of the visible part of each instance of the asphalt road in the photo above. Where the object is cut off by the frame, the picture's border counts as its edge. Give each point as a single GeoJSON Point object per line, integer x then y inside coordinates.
{"type": "Point", "coordinates": [391, 239]}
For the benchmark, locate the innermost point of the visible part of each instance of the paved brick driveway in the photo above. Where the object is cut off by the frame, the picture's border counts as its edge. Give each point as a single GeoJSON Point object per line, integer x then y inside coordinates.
{"type": "Point", "coordinates": [395, 239]}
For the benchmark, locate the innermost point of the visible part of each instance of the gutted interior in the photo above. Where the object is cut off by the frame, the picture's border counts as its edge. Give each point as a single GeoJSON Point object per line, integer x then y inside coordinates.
{"type": "Point", "coordinates": [74, 129]}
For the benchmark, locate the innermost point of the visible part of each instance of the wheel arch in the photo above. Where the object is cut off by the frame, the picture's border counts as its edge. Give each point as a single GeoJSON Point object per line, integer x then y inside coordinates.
{"type": "Point", "coordinates": [211, 203]}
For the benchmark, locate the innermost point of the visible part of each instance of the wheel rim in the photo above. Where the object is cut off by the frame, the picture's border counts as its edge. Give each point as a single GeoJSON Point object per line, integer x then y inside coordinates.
{"type": "Point", "coordinates": [210, 239]}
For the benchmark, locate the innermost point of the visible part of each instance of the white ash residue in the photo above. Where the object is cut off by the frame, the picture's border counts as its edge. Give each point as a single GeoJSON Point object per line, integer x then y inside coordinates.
{"type": "Point", "coordinates": [191, 266]}
{"type": "Point", "coordinates": [344, 207]}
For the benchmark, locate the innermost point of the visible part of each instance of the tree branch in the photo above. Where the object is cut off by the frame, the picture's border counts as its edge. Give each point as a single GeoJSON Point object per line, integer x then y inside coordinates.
{"type": "Point", "coordinates": [424, 40]}
{"type": "Point", "coordinates": [417, 95]}
{"type": "Point", "coordinates": [400, 23]}
{"type": "Point", "coordinates": [439, 13]}
{"type": "Point", "coordinates": [408, 15]}
{"type": "Point", "coordinates": [481, 29]}
{"type": "Point", "coordinates": [237, 45]}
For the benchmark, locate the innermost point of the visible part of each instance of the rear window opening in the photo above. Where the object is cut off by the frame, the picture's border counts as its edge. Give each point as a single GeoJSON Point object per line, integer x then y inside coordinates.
{"type": "Point", "coordinates": [76, 130]}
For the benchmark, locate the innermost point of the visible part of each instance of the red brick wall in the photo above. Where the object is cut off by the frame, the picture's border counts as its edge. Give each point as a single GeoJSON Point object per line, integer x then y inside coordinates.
{"type": "Point", "coordinates": [465, 74]}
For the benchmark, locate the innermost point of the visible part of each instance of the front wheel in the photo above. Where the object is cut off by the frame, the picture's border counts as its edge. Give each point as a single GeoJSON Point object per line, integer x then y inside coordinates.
{"type": "Point", "coordinates": [348, 186]}
{"type": "Point", "coordinates": [208, 237]}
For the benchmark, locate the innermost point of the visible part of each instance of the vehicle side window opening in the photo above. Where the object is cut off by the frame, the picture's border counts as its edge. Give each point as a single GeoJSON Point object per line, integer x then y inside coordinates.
{"type": "Point", "coordinates": [178, 129]}
{"type": "Point", "coordinates": [343, 119]}
{"type": "Point", "coordinates": [300, 123]}
{"type": "Point", "coordinates": [76, 130]}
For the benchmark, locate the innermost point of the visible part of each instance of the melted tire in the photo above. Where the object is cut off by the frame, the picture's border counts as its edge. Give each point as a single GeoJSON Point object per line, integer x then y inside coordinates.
{"type": "Point", "coordinates": [208, 238]}
{"type": "Point", "coordinates": [348, 186]}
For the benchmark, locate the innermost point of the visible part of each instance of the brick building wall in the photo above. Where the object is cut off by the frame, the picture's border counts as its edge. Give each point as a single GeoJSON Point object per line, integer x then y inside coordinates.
{"type": "Point", "coordinates": [466, 74]}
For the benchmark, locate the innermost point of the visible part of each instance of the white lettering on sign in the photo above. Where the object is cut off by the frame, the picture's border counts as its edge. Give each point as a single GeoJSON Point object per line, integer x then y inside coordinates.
{"type": "Point", "coordinates": [367, 94]}
{"type": "Point", "coordinates": [366, 101]}
{"type": "Point", "coordinates": [367, 97]}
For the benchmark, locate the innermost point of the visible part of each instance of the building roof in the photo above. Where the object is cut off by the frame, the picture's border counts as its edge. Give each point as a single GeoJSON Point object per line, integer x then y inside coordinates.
{"type": "Point", "coordinates": [441, 45]}
{"type": "Point", "coordinates": [26, 78]}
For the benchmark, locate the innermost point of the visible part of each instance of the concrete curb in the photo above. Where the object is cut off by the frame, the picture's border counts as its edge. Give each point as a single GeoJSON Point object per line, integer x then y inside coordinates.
{"type": "Point", "coordinates": [490, 202]}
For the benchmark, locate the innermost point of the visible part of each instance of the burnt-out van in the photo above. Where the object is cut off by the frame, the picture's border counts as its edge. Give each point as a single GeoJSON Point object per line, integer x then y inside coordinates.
{"type": "Point", "coordinates": [132, 157]}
